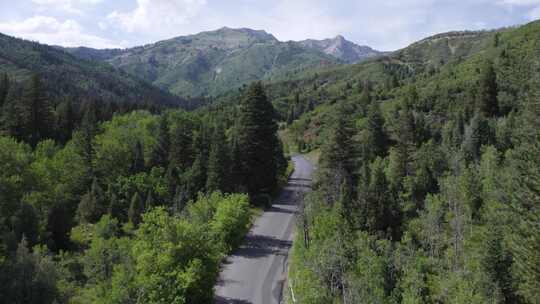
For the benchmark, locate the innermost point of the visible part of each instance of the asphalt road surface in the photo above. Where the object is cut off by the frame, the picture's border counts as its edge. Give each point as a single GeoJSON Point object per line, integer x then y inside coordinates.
{"type": "Point", "coordinates": [256, 272]}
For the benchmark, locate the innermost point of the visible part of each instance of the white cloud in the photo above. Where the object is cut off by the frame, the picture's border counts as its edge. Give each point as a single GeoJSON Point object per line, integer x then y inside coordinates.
{"type": "Point", "coordinates": [520, 2]}
{"type": "Point", "coordinates": [161, 16]}
{"type": "Point", "coordinates": [534, 14]}
{"type": "Point", "coordinates": [384, 24]}
{"type": "Point", "coordinates": [70, 6]}
{"type": "Point", "coordinates": [51, 31]}
{"type": "Point", "coordinates": [532, 7]}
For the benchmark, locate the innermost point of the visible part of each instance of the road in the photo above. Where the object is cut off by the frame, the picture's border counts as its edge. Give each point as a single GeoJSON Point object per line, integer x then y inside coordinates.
{"type": "Point", "coordinates": [256, 272]}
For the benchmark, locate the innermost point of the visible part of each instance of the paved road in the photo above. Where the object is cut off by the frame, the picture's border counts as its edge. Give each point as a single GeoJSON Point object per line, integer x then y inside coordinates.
{"type": "Point", "coordinates": [255, 273]}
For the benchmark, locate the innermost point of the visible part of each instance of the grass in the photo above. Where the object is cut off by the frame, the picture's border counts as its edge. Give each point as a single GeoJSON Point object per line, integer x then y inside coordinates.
{"type": "Point", "coordinates": [313, 156]}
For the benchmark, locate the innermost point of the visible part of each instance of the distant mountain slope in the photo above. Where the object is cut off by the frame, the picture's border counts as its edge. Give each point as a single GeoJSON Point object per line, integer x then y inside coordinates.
{"type": "Point", "coordinates": [66, 75]}
{"type": "Point", "coordinates": [210, 63]}
{"type": "Point", "coordinates": [445, 69]}
{"type": "Point", "coordinates": [428, 54]}
{"type": "Point", "coordinates": [342, 49]}
{"type": "Point", "coordinates": [440, 49]}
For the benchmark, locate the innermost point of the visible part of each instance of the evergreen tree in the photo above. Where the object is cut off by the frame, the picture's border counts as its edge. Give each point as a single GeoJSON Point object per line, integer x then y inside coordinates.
{"type": "Point", "coordinates": [181, 154]}
{"type": "Point", "coordinates": [29, 277]}
{"type": "Point", "coordinates": [37, 112]}
{"type": "Point", "coordinates": [92, 205]}
{"type": "Point", "coordinates": [487, 91]}
{"type": "Point", "coordinates": [365, 97]}
{"type": "Point", "coordinates": [150, 202]}
{"type": "Point", "coordinates": [85, 140]}
{"type": "Point", "coordinates": [171, 177]}
{"type": "Point", "coordinates": [377, 140]}
{"type": "Point", "coordinates": [137, 164]}
{"type": "Point", "coordinates": [136, 209]}
{"type": "Point", "coordinates": [257, 140]}
{"type": "Point", "coordinates": [13, 119]}
{"type": "Point", "coordinates": [25, 222]}
{"type": "Point", "coordinates": [217, 161]}
{"type": "Point", "coordinates": [115, 208]}
{"type": "Point", "coordinates": [160, 153]}
{"type": "Point", "coordinates": [406, 137]}
{"type": "Point", "coordinates": [291, 114]}
{"type": "Point", "coordinates": [236, 181]}
{"type": "Point", "coordinates": [524, 195]}
{"type": "Point", "coordinates": [477, 133]}
{"type": "Point", "coordinates": [380, 208]}
{"type": "Point", "coordinates": [66, 120]}
{"type": "Point", "coordinates": [4, 88]}
{"type": "Point", "coordinates": [337, 160]}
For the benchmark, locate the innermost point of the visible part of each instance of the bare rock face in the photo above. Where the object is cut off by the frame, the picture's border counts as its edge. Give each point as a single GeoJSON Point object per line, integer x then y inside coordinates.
{"type": "Point", "coordinates": [341, 48]}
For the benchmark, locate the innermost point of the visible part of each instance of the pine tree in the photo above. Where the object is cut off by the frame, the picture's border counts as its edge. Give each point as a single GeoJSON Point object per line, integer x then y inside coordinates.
{"type": "Point", "coordinates": [13, 119]}
{"type": "Point", "coordinates": [380, 207]}
{"type": "Point", "coordinates": [150, 202]}
{"type": "Point", "coordinates": [291, 114]}
{"type": "Point", "coordinates": [115, 208]}
{"type": "Point", "coordinates": [92, 205]}
{"type": "Point", "coordinates": [137, 164]}
{"type": "Point", "coordinates": [160, 153]}
{"type": "Point", "coordinates": [216, 176]}
{"type": "Point", "coordinates": [4, 88]}
{"type": "Point", "coordinates": [377, 140]}
{"type": "Point", "coordinates": [172, 182]}
{"type": "Point", "coordinates": [85, 140]}
{"type": "Point", "coordinates": [337, 160]}
{"type": "Point", "coordinates": [365, 97]}
{"type": "Point", "coordinates": [25, 222]}
{"type": "Point", "coordinates": [524, 195]}
{"type": "Point", "coordinates": [65, 123]}
{"type": "Point", "coordinates": [37, 112]}
{"type": "Point", "coordinates": [136, 209]}
{"type": "Point", "coordinates": [181, 154]}
{"type": "Point", "coordinates": [236, 181]}
{"type": "Point", "coordinates": [406, 136]}
{"type": "Point", "coordinates": [487, 91]}
{"type": "Point", "coordinates": [257, 141]}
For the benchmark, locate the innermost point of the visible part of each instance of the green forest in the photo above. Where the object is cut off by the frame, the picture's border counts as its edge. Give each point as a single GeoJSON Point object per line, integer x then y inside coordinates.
{"type": "Point", "coordinates": [427, 188]}
{"type": "Point", "coordinates": [428, 185]}
{"type": "Point", "coordinates": [105, 204]}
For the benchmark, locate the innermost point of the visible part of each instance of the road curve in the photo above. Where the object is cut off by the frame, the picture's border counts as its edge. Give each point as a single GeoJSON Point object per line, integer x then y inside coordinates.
{"type": "Point", "coordinates": [255, 273]}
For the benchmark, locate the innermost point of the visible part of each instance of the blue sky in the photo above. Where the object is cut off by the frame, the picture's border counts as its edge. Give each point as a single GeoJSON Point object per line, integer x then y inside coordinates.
{"type": "Point", "coordinates": [382, 24]}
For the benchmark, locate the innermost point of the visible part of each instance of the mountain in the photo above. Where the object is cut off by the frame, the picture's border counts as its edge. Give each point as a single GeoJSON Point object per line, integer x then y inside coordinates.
{"type": "Point", "coordinates": [66, 75]}
{"type": "Point", "coordinates": [444, 68]}
{"type": "Point", "coordinates": [429, 167]}
{"type": "Point", "coordinates": [443, 48]}
{"type": "Point", "coordinates": [342, 49]}
{"type": "Point", "coordinates": [213, 62]}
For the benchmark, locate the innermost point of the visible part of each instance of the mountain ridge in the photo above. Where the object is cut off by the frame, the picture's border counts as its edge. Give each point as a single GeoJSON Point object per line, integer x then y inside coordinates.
{"type": "Point", "coordinates": [214, 62]}
{"type": "Point", "coordinates": [342, 48]}
{"type": "Point", "coordinates": [66, 74]}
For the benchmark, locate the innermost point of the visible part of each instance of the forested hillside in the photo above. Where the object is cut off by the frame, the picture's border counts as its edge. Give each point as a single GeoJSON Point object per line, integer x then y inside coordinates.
{"type": "Point", "coordinates": [215, 62]}
{"type": "Point", "coordinates": [67, 77]}
{"type": "Point", "coordinates": [427, 187]}
{"type": "Point", "coordinates": [428, 182]}
{"type": "Point", "coordinates": [131, 209]}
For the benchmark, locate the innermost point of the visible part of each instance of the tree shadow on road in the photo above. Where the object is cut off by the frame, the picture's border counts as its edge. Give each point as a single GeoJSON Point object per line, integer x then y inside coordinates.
{"type": "Point", "coordinates": [256, 246]}
{"type": "Point", "coordinates": [222, 300]}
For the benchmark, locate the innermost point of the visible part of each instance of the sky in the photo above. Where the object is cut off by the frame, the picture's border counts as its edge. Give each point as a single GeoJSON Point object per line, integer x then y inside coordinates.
{"type": "Point", "coordinates": [383, 24]}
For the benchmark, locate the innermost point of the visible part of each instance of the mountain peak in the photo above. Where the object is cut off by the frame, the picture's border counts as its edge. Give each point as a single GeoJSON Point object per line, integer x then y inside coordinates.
{"type": "Point", "coordinates": [251, 33]}
{"type": "Point", "coordinates": [342, 48]}
{"type": "Point", "coordinates": [340, 38]}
